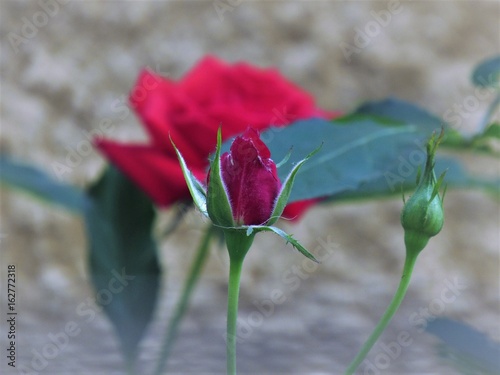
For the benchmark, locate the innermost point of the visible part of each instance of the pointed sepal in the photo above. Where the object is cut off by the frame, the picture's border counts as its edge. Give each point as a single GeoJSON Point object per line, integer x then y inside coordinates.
{"type": "Point", "coordinates": [437, 186]}
{"type": "Point", "coordinates": [253, 229]}
{"type": "Point", "coordinates": [195, 187]}
{"type": "Point", "coordinates": [218, 205]}
{"type": "Point", "coordinates": [285, 159]}
{"type": "Point", "coordinates": [286, 189]}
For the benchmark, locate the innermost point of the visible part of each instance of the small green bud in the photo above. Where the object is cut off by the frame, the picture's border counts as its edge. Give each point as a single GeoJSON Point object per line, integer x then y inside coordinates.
{"type": "Point", "coordinates": [423, 216]}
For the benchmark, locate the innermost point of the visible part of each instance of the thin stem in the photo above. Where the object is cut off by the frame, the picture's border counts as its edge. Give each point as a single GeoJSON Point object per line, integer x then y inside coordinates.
{"type": "Point", "coordinates": [238, 244]}
{"type": "Point", "coordinates": [389, 313]}
{"type": "Point", "coordinates": [182, 304]}
{"type": "Point", "coordinates": [232, 312]}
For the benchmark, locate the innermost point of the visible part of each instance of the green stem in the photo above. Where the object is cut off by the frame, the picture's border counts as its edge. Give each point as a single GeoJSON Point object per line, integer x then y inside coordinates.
{"type": "Point", "coordinates": [182, 305]}
{"type": "Point", "coordinates": [238, 244]}
{"type": "Point", "coordinates": [232, 313]}
{"type": "Point", "coordinates": [389, 313]}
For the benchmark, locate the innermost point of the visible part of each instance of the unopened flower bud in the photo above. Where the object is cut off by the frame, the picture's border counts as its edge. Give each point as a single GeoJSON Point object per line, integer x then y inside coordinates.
{"type": "Point", "coordinates": [248, 181]}
{"type": "Point", "coordinates": [423, 216]}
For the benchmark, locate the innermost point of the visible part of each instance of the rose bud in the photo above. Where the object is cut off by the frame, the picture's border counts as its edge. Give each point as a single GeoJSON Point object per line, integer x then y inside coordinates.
{"type": "Point", "coordinates": [251, 179]}
{"type": "Point", "coordinates": [244, 195]}
{"type": "Point", "coordinates": [423, 216]}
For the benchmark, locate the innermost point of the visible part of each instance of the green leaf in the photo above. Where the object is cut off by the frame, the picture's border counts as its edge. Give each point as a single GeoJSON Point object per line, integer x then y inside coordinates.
{"type": "Point", "coordinates": [492, 131]}
{"type": "Point", "coordinates": [487, 73]}
{"type": "Point", "coordinates": [38, 184]}
{"type": "Point", "coordinates": [401, 111]}
{"type": "Point", "coordinates": [454, 139]}
{"type": "Point", "coordinates": [218, 205]}
{"type": "Point", "coordinates": [370, 153]}
{"type": "Point", "coordinates": [286, 189]}
{"type": "Point", "coordinates": [123, 258]}
{"type": "Point", "coordinates": [470, 351]}
{"type": "Point", "coordinates": [456, 177]}
{"type": "Point", "coordinates": [485, 142]}
{"type": "Point", "coordinates": [355, 151]}
{"type": "Point", "coordinates": [287, 237]}
{"type": "Point", "coordinates": [195, 187]}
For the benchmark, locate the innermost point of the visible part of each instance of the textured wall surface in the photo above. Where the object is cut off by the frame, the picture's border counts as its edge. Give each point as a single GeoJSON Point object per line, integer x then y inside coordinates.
{"type": "Point", "coordinates": [60, 81]}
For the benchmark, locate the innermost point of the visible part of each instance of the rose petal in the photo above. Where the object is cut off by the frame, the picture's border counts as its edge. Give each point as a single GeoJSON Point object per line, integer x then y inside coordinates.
{"type": "Point", "coordinates": [293, 211]}
{"type": "Point", "coordinates": [151, 99]}
{"type": "Point", "coordinates": [159, 176]}
{"type": "Point", "coordinates": [250, 178]}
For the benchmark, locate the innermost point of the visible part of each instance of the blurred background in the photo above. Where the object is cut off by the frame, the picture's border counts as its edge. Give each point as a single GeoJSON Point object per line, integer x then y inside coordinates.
{"type": "Point", "coordinates": [60, 79]}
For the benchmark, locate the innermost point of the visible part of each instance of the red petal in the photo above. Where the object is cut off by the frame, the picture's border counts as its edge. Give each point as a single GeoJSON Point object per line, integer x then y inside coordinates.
{"type": "Point", "coordinates": [295, 210]}
{"type": "Point", "coordinates": [205, 81]}
{"type": "Point", "coordinates": [151, 99]}
{"type": "Point", "coordinates": [251, 179]}
{"type": "Point", "coordinates": [155, 173]}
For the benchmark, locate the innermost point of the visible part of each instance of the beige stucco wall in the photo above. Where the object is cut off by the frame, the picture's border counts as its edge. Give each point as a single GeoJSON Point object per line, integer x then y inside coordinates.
{"type": "Point", "coordinates": [61, 82]}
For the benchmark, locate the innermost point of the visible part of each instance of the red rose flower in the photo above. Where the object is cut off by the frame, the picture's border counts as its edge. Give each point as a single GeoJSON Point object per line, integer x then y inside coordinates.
{"type": "Point", "coordinates": [190, 111]}
{"type": "Point", "coordinates": [251, 179]}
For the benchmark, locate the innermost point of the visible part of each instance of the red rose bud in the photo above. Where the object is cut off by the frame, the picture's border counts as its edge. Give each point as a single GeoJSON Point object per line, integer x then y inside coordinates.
{"type": "Point", "coordinates": [251, 179]}
{"type": "Point", "coordinates": [244, 195]}
{"type": "Point", "coordinates": [423, 216]}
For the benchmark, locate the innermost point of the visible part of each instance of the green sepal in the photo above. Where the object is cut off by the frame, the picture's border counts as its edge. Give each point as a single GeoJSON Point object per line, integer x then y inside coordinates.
{"type": "Point", "coordinates": [492, 131]}
{"type": "Point", "coordinates": [444, 193]}
{"type": "Point", "coordinates": [285, 159]}
{"type": "Point", "coordinates": [419, 174]}
{"type": "Point", "coordinates": [286, 189]}
{"type": "Point", "coordinates": [195, 187]}
{"type": "Point", "coordinates": [437, 186]}
{"type": "Point", "coordinates": [238, 242]}
{"type": "Point", "coordinates": [218, 205]}
{"type": "Point", "coordinates": [253, 229]}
